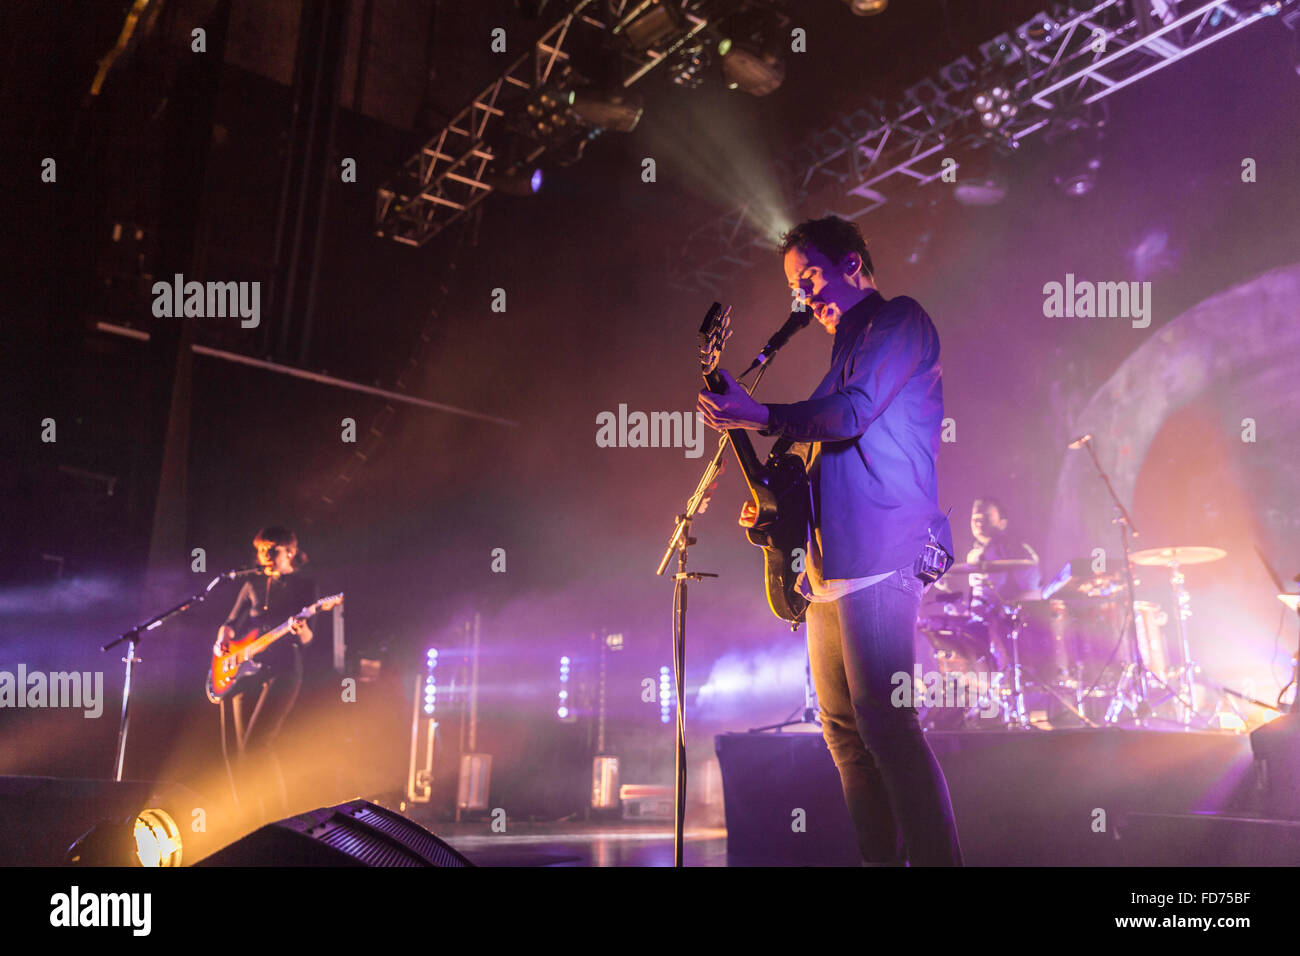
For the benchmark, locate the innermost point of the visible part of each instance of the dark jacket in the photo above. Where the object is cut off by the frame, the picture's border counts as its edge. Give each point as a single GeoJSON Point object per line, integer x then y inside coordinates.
{"type": "Point", "coordinates": [267, 602]}
{"type": "Point", "coordinates": [877, 416]}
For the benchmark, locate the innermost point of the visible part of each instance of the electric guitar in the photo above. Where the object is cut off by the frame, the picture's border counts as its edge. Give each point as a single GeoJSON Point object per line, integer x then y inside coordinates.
{"type": "Point", "coordinates": [237, 668]}
{"type": "Point", "coordinates": [780, 488]}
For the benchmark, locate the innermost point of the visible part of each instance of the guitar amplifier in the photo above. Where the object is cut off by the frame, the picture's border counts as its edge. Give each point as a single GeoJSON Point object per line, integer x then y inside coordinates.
{"type": "Point", "coordinates": [475, 778]}
{"type": "Point", "coordinates": [643, 802]}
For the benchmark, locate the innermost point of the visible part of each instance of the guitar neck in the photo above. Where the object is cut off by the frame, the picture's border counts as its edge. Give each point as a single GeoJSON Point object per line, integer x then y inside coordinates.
{"type": "Point", "coordinates": [267, 639]}
{"type": "Point", "coordinates": [750, 466]}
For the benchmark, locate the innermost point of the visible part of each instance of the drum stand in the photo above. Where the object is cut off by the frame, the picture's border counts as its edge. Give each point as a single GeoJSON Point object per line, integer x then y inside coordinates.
{"type": "Point", "coordinates": [1014, 714]}
{"type": "Point", "coordinates": [1185, 674]}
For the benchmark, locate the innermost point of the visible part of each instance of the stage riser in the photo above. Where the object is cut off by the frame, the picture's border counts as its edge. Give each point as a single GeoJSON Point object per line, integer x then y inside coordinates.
{"type": "Point", "coordinates": [1181, 840]}
{"type": "Point", "coordinates": [1020, 799]}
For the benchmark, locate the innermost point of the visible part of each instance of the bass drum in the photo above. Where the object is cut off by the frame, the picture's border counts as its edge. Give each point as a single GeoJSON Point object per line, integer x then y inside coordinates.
{"type": "Point", "coordinates": [956, 649]}
{"type": "Point", "coordinates": [1042, 646]}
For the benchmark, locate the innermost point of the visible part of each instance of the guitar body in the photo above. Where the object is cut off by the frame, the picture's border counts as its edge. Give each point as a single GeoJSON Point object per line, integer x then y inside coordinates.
{"type": "Point", "coordinates": [782, 527]}
{"type": "Point", "coordinates": [238, 668]}
{"type": "Point", "coordinates": [232, 672]}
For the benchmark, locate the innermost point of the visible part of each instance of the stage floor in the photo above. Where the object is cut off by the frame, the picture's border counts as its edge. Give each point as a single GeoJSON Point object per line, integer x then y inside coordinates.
{"type": "Point", "coordinates": [577, 843]}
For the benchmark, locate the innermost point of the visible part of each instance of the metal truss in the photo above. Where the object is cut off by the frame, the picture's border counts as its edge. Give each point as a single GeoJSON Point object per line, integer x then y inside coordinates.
{"type": "Point", "coordinates": [1055, 68]}
{"type": "Point", "coordinates": [449, 174]}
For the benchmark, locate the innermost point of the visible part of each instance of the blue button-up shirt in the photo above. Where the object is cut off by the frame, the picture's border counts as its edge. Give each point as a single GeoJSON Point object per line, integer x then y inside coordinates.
{"type": "Point", "coordinates": [877, 417]}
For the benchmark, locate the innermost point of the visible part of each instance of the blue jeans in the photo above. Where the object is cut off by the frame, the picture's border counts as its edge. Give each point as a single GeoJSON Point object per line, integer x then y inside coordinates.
{"type": "Point", "coordinates": [896, 793]}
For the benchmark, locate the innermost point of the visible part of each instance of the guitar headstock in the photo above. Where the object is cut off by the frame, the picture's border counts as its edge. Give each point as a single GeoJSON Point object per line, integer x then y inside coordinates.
{"type": "Point", "coordinates": [329, 603]}
{"type": "Point", "coordinates": [714, 333]}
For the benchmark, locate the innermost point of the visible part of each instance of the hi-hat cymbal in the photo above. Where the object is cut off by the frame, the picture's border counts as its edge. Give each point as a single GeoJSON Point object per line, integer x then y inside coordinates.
{"type": "Point", "coordinates": [1168, 557]}
{"type": "Point", "coordinates": [993, 567]}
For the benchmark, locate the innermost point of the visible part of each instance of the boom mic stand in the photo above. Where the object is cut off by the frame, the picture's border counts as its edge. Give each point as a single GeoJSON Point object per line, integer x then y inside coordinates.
{"type": "Point", "coordinates": [679, 543]}
{"type": "Point", "coordinates": [133, 637]}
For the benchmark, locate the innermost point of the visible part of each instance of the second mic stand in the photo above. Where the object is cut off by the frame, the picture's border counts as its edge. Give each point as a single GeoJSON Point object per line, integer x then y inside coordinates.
{"type": "Point", "coordinates": [1136, 673]}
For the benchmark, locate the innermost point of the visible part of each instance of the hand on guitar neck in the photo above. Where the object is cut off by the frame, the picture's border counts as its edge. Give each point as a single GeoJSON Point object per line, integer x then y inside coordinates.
{"type": "Point", "coordinates": [732, 407]}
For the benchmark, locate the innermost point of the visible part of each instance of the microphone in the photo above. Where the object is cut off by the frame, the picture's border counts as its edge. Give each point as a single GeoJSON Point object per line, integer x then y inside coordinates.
{"type": "Point", "coordinates": [240, 572]}
{"type": "Point", "coordinates": [1080, 441]}
{"type": "Point", "coordinates": [799, 319]}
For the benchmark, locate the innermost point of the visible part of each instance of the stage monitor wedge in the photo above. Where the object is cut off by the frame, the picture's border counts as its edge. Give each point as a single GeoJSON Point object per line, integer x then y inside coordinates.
{"type": "Point", "coordinates": [357, 833]}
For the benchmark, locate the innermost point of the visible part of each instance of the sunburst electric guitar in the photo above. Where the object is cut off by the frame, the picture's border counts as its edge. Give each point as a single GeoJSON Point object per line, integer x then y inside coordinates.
{"type": "Point", "coordinates": [234, 670]}
{"type": "Point", "coordinates": [779, 486]}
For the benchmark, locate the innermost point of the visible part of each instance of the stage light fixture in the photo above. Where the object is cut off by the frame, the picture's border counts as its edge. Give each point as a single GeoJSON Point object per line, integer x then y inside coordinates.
{"type": "Point", "coordinates": [981, 191]}
{"type": "Point", "coordinates": [1000, 51]}
{"type": "Point", "coordinates": [157, 839]}
{"type": "Point", "coordinates": [151, 839]}
{"type": "Point", "coordinates": [617, 110]}
{"type": "Point", "coordinates": [981, 178]}
{"type": "Point", "coordinates": [516, 181]}
{"type": "Point", "coordinates": [1077, 141]}
{"type": "Point", "coordinates": [653, 27]}
{"type": "Point", "coordinates": [751, 71]}
{"type": "Point", "coordinates": [995, 105]}
{"type": "Point", "coordinates": [548, 114]}
{"type": "Point", "coordinates": [690, 65]}
{"type": "Point", "coordinates": [867, 8]}
{"type": "Point", "coordinates": [959, 74]}
{"type": "Point", "coordinates": [1037, 32]}
{"type": "Point", "coordinates": [1079, 181]}
{"type": "Point", "coordinates": [564, 711]}
{"type": "Point", "coordinates": [431, 682]}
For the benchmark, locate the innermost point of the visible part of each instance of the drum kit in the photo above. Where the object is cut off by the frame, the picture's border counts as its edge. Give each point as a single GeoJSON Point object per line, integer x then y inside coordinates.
{"type": "Point", "coordinates": [1076, 656]}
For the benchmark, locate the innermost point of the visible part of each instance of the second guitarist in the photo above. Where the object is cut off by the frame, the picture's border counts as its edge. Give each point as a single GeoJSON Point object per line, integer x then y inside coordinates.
{"type": "Point", "coordinates": [265, 601]}
{"type": "Point", "coordinates": [871, 433]}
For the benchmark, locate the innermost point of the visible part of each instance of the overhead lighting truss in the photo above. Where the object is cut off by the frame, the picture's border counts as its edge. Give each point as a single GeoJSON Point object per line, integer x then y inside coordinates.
{"type": "Point", "coordinates": [1053, 67]}
{"type": "Point", "coordinates": [448, 176]}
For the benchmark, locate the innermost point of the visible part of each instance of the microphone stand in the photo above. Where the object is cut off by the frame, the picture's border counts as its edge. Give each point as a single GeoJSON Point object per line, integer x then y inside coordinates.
{"type": "Point", "coordinates": [679, 543]}
{"type": "Point", "coordinates": [133, 637]}
{"type": "Point", "coordinates": [1141, 708]}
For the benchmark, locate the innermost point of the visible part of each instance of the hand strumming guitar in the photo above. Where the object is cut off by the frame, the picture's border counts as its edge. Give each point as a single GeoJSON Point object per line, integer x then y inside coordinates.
{"type": "Point", "coordinates": [225, 634]}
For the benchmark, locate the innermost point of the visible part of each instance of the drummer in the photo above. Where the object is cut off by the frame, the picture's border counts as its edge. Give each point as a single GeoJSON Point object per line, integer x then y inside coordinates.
{"type": "Point", "coordinates": [991, 592]}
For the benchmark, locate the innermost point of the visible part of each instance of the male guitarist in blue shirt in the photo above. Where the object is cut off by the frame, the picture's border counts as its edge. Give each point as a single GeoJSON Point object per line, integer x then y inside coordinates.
{"type": "Point", "coordinates": [870, 437]}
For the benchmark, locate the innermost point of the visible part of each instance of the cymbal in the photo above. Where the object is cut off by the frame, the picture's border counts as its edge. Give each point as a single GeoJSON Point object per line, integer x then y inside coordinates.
{"type": "Point", "coordinates": [1168, 557]}
{"type": "Point", "coordinates": [993, 567]}
{"type": "Point", "coordinates": [1290, 600]}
